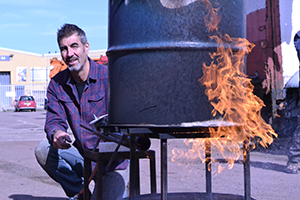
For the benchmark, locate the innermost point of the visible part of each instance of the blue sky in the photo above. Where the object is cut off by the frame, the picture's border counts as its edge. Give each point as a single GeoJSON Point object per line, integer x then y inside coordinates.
{"type": "Point", "coordinates": [31, 25]}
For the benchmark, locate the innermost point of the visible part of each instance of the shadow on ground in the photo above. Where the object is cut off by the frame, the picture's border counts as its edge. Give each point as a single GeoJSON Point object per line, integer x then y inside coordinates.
{"type": "Point", "coordinates": [29, 197]}
{"type": "Point", "coordinates": [280, 146]}
{"type": "Point", "coordinates": [261, 165]}
{"type": "Point", "coordinates": [269, 166]}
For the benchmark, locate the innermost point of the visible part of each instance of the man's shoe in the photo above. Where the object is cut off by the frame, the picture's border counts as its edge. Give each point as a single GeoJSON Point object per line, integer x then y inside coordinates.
{"type": "Point", "coordinates": [292, 168]}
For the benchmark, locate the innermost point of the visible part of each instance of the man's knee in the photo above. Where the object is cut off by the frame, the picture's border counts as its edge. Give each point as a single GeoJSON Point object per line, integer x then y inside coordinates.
{"type": "Point", "coordinates": [41, 152]}
{"type": "Point", "coordinates": [113, 186]}
{"type": "Point", "coordinates": [125, 176]}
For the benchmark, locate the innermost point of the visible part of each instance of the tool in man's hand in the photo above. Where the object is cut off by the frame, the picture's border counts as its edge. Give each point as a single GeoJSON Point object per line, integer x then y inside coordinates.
{"type": "Point", "coordinates": [142, 143]}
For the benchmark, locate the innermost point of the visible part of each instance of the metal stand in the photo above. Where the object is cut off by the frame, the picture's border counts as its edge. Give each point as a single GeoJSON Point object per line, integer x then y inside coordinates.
{"type": "Point", "coordinates": [164, 167]}
{"type": "Point", "coordinates": [208, 169]}
{"type": "Point", "coordinates": [247, 183]}
{"type": "Point", "coordinates": [134, 157]}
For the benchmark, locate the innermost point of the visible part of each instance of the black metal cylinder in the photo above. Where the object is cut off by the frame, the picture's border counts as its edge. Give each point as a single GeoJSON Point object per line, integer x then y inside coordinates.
{"type": "Point", "coordinates": [156, 50]}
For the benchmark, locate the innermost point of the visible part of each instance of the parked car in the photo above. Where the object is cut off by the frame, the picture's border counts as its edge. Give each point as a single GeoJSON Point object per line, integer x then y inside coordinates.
{"type": "Point", "coordinates": [25, 102]}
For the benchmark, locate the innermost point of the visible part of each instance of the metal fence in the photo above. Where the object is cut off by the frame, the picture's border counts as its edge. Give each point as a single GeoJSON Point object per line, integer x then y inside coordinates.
{"type": "Point", "coordinates": [9, 93]}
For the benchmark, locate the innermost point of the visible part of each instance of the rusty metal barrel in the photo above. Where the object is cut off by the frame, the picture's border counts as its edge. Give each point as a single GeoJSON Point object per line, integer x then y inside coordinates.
{"type": "Point", "coordinates": [156, 49]}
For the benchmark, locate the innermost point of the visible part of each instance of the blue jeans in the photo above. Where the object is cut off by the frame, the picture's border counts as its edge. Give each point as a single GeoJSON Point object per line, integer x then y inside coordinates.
{"type": "Point", "coordinates": [294, 150]}
{"type": "Point", "coordinates": [65, 166]}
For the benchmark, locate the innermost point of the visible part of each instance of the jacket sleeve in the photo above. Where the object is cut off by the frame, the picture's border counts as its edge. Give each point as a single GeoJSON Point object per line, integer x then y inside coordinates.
{"type": "Point", "coordinates": [56, 116]}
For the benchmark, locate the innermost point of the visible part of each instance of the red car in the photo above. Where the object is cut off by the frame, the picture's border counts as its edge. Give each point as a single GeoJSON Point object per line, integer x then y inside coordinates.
{"type": "Point", "coordinates": [25, 102]}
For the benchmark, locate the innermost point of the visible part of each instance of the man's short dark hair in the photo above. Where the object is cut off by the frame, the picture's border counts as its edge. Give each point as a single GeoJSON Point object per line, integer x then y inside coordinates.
{"type": "Point", "coordinates": [297, 36]}
{"type": "Point", "coordinates": [69, 29]}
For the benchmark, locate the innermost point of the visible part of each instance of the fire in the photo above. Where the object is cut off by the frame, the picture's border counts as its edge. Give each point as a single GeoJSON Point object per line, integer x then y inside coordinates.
{"type": "Point", "coordinates": [230, 93]}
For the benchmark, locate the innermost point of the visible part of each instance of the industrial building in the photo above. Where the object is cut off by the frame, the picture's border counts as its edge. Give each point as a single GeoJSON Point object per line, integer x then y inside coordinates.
{"type": "Point", "coordinates": [27, 73]}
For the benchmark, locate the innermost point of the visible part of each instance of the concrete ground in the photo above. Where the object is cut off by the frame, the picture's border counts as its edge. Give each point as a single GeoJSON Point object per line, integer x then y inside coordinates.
{"type": "Point", "coordinates": [23, 179]}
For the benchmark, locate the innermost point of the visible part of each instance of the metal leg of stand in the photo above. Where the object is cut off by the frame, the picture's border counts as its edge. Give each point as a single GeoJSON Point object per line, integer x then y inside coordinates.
{"type": "Point", "coordinates": [153, 175]}
{"type": "Point", "coordinates": [208, 169]}
{"type": "Point", "coordinates": [137, 177]}
{"type": "Point", "coordinates": [99, 180]}
{"type": "Point", "coordinates": [87, 172]}
{"type": "Point", "coordinates": [164, 169]}
{"type": "Point", "coordinates": [247, 184]}
{"type": "Point", "coordinates": [132, 179]}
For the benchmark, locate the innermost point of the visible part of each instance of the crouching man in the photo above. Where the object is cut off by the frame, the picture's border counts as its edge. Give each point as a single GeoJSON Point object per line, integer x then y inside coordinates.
{"type": "Point", "coordinates": [75, 95]}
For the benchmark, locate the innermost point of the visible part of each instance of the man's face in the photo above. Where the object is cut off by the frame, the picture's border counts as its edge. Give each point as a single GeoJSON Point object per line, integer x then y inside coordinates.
{"type": "Point", "coordinates": [73, 52]}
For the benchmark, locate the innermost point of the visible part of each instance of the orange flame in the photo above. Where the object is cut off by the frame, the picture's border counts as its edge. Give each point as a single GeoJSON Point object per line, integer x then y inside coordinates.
{"type": "Point", "coordinates": [212, 19]}
{"type": "Point", "coordinates": [230, 93]}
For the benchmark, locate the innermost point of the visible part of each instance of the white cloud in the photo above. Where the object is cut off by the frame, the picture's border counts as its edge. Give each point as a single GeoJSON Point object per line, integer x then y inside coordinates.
{"type": "Point", "coordinates": [29, 3]}
{"type": "Point", "coordinates": [10, 16]}
{"type": "Point", "coordinates": [39, 20]}
{"type": "Point", "coordinates": [14, 25]}
{"type": "Point", "coordinates": [45, 13]}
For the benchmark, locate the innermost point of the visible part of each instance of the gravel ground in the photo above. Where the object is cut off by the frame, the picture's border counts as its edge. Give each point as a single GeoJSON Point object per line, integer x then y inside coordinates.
{"type": "Point", "coordinates": [23, 179]}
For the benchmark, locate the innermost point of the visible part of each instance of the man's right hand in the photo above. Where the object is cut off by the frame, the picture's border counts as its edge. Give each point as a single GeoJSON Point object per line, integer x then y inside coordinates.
{"type": "Point", "coordinates": [61, 140]}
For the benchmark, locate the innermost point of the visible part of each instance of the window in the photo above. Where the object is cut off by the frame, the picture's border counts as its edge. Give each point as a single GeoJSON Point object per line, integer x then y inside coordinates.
{"type": "Point", "coordinates": [38, 74]}
{"type": "Point", "coordinates": [26, 98]}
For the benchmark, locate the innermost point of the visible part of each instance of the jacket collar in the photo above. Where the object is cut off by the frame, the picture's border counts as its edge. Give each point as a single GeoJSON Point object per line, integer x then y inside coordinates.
{"type": "Point", "coordinates": [91, 77]}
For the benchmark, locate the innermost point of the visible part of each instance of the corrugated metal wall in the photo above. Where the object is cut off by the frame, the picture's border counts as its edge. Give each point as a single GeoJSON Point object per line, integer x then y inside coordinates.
{"type": "Point", "coordinates": [4, 80]}
{"type": "Point", "coordinates": [264, 63]}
